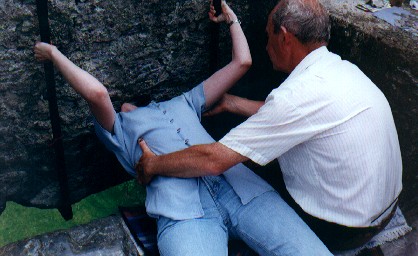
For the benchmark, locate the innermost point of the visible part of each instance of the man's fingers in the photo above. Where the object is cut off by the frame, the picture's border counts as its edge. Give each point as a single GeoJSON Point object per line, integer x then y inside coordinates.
{"type": "Point", "coordinates": [140, 168]}
{"type": "Point", "coordinates": [141, 178]}
{"type": "Point", "coordinates": [144, 147]}
{"type": "Point", "coordinates": [211, 113]}
{"type": "Point", "coordinates": [140, 174]}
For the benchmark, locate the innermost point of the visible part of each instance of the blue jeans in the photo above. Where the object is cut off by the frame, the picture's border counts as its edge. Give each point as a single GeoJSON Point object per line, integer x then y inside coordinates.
{"type": "Point", "coordinates": [266, 224]}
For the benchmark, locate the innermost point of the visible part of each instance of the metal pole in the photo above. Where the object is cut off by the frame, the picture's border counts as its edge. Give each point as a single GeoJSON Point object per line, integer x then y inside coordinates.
{"type": "Point", "coordinates": [64, 204]}
{"type": "Point", "coordinates": [214, 47]}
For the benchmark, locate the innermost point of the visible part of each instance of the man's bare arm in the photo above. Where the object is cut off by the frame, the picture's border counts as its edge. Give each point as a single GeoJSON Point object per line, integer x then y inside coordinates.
{"type": "Point", "coordinates": [236, 105]}
{"type": "Point", "coordinates": [195, 161]}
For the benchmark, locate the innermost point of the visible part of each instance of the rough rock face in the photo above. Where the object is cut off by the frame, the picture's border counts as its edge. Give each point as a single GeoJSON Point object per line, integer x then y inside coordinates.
{"type": "Point", "coordinates": [134, 47]}
{"type": "Point", "coordinates": [103, 237]}
{"type": "Point", "coordinates": [161, 48]}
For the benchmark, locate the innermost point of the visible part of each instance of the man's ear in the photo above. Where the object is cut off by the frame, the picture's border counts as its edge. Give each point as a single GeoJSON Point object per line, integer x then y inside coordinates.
{"type": "Point", "coordinates": [286, 35]}
{"type": "Point", "coordinates": [283, 30]}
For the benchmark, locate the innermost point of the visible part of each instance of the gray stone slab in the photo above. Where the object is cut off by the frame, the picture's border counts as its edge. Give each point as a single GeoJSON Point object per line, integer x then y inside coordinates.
{"type": "Point", "coordinates": [157, 47]}
{"type": "Point", "coordinates": [105, 237]}
{"type": "Point", "coordinates": [404, 246]}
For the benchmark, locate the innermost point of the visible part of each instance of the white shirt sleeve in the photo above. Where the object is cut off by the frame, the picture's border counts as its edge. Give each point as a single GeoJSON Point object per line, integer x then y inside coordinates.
{"type": "Point", "coordinates": [274, 129]}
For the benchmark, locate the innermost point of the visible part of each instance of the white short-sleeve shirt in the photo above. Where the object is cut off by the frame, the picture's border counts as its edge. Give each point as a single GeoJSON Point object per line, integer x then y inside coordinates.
{"type": "Point", "coordinates": [333, 133]}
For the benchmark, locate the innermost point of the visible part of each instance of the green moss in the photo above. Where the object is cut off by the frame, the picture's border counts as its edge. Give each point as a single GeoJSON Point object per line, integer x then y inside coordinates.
{"type": "Point", "coordinates": [18, 222]}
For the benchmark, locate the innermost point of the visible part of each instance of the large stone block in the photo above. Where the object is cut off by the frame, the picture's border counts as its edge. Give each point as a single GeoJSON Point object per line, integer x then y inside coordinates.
{"type": "Point", "coordinates": [133, 47]}
{"type": "Point", "coordinates": [107, 236]}
{"type": "Point", "coordinates": [161, 48]}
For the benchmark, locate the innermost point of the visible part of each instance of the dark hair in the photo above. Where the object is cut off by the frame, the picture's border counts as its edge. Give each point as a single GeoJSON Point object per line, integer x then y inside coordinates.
{"type": "Point", "coordinates": [308, 20]}
{"type": "Point", "coordinates": [141, 100]}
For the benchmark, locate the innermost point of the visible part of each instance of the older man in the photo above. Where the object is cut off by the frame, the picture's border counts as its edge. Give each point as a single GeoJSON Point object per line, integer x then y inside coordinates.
{"type": "Point", "coordinates": [328, 125]}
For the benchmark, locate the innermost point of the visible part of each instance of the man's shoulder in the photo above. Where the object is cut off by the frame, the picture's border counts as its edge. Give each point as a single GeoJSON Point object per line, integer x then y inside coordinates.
{"type": "Point", "coordinates": [297, 84]}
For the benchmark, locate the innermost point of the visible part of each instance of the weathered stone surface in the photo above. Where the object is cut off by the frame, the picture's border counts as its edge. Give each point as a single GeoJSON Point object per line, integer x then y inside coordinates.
{"type": "Point", "coordinates": [162, 48]}
{"type": "Point", "coordinates": [405, 246]}
{"type": "Point", "coordinates": [108, 236]}
{"type": "Point", "coordinates": [133, 47]}
{"type": "Point", "coordinates": [103, 237]}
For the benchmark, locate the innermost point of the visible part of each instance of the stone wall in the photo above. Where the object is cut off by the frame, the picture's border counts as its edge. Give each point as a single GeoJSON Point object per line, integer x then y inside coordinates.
{"type": "Point", "coordinates": [134, 47]}
{"type": "Point", "coordinates": [107, 236]}
{"type": "Point", "coordinates": [160, 48]}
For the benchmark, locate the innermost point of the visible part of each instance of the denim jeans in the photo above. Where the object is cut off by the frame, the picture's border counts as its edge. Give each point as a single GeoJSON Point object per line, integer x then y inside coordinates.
{"type": "Point", "coordinates": [266, 224]}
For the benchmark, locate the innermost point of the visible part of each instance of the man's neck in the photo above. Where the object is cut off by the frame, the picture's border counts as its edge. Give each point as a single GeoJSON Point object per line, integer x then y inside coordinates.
{"type": "Point", "coordinates": [302, 50]}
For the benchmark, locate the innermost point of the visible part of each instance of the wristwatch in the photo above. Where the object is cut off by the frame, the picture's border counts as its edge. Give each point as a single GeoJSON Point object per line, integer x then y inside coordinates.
{"type": "Point", "coordinates": [232, 22]}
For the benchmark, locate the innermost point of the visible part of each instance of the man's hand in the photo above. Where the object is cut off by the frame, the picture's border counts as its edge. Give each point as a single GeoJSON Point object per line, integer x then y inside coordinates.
{"type": "Point", "coordinates": [143, 177]}
{"type": "Point", "coordinates": [223, 105]}
{"type": "Point", "coordinates": [43, 51]}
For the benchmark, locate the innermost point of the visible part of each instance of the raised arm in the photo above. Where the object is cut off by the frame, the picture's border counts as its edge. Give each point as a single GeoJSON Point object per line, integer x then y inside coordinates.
{"type": "Point", "coordinates": [222, 80]}
{"type": "Point", "coordinates": [82, 82]}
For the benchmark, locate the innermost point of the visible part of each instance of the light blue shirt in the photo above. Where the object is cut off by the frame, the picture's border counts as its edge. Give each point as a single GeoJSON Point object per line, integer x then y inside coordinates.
{"type": "Point", "coordinates": [167, 127]}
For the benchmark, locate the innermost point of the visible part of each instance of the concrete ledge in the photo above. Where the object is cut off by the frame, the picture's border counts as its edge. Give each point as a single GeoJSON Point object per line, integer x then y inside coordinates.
{"type": "Point", "coordinates": [104, 36]}
{"type": "Point", "coordinates": [107, 236]}
{"type": "Point", "coordinates": [102, 237]}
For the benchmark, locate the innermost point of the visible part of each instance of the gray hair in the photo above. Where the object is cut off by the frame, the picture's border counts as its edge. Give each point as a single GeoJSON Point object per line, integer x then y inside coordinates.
{"type": "Point", "coordinates": [308, 20]}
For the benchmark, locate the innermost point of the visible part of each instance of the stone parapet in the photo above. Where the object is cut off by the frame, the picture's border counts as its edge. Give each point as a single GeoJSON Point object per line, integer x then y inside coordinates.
{"type": "Point", "coordinates": [162, 48]}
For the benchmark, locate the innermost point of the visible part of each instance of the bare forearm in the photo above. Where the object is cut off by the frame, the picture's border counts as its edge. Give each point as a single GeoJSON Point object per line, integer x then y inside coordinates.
{"type": "Point", "coordinates": [242, 106]}
{"type": "Point", "coordinates": [186, 163]}
{"type": "Point", "coordinates": [240, 50]}
{"type": "Point", "coordinates": [81, 81]}
{"type": "Point", "coordinates": [222, 80]}
{"type": "Point", "coordinates": [196, 161]}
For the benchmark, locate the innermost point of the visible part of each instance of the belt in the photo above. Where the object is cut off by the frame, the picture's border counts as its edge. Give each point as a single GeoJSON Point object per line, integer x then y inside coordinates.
{"type": "Point", "coordinates": [360, 236]}
{"type": "Point", "coordinates": [339, 237]}
{"type": "Point", "coordinates": [385, 214]}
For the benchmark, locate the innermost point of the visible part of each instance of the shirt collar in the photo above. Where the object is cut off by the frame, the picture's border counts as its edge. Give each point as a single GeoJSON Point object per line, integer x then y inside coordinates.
{"type": "Point", "coordinates": [310, 59]}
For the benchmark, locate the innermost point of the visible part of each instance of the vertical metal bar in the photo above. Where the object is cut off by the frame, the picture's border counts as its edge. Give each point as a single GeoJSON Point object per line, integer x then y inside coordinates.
{"type": "Point", "coordinates": [214, 47]}
{"type": "Point", "coordinates": [64, 204]}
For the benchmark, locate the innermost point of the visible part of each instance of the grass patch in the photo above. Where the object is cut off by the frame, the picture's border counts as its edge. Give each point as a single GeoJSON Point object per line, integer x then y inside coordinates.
{"type": "Point", "coordinates": [19, 222]}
